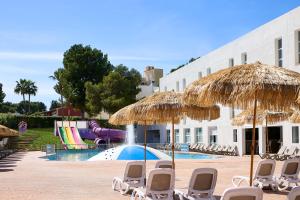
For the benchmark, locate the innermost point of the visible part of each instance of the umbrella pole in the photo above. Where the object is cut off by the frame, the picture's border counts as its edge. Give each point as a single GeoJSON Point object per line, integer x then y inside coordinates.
{"type": "Point", "coordinates": [145, 142]}
{"type": "Point", "coordinates": [253, 141]}
{"type": "Point", "coordinates": [173, 162]}
{"type": "Point", "coordinates": [267, 135]}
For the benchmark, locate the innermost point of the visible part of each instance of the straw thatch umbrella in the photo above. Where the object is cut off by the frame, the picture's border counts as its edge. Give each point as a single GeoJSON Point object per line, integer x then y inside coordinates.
{"type": "Point", "coordinates": [274, 88]}
{"type": "Point", "coordinates": [7, 132]}
{"type": "Point", "coordinates": [166, 107]}
{"type": "Point", "coordinates": [270, 117]}
{"type": "Point", "coordinates": [295, 117]}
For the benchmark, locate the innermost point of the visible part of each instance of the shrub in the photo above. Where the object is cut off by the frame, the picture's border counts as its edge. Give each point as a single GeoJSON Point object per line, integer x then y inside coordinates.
{"type": "Point", "coordinates": [12, 121]}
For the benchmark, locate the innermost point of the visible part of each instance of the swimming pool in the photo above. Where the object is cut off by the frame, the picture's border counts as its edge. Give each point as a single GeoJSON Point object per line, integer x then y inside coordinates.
{"type": "Point", "coordinates": [187, 155]}
{"type": "Point", "coordinates": [73, 155]}
{"type": "Point", "coordinates": [85, 154]}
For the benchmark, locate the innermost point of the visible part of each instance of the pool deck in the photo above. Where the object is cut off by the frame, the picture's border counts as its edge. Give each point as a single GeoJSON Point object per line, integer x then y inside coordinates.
{"type": "Point", "coordinates": [25, 176]}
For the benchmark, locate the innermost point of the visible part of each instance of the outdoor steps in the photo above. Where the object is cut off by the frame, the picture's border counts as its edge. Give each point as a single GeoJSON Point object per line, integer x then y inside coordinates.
{"type": "Point", "coordinates": [22, 143]}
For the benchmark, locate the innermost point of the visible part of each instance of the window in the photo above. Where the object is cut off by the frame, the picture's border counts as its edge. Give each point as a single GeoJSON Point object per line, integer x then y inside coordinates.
{"type": "Point", "coordinates": [298, 46]}
{"type": "Point", "coordinates": [208, 71]}
{"type": "Point", "coordinates": [177, 86]}
{"type": "Point", "coordinates": [213, 139]}
{"type": "Point", "coordinates": [198, 135]}
{"type": "Point", "coordinates": [183, 84]}
{"type": "Point", "coordinates": [278, 52]}
{"type": "Point", "coordinates": [234, 135]}
{"type": "Point", "coordinates": [295, 134]}
{"type": "Point", "coordinates": [244, 58]}
{"type": "Point", "coordinates": [166, 88]}
{"type": "Point", "coordinates": [187, 135]}
{"type": "Point", "coordinates": [176, 135]}
{"type": "Point", "coordinates": [199, 75]}
{"type": "Point", "coordinates": [231, 62]}
{"type": "Point", "coordinates": [168, 136]}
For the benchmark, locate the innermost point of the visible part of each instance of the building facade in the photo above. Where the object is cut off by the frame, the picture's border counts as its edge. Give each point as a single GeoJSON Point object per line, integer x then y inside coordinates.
{"type": "Point", "coordinates": [276, 43]}
{"type": "Point", "coordinates": [150, 84]}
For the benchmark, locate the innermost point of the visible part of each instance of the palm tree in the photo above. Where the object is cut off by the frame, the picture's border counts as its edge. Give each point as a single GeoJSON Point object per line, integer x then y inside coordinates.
{"type": "Point", "coordinates": [21, 87]}
{"type": "Point", "coordinates": [57, 76]}
{"type": "Point", "coordinates": [31, 90]}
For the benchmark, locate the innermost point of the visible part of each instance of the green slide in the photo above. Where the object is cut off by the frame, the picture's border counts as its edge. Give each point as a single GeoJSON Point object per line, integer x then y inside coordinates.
{"type": "Point", "coordinates": [64, 137]}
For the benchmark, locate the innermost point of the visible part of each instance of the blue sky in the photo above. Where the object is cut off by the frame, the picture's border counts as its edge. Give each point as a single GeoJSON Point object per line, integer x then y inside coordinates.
{"type": "Point", "coordinates": [34, 34]}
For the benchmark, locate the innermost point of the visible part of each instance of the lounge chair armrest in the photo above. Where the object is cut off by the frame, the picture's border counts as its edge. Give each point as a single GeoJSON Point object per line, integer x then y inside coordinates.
{"type": "Point", "coordinates": [238, 180]}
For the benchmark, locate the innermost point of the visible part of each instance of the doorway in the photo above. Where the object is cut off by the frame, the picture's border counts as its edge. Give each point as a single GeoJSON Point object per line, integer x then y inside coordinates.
{"type": "Point", "coordinates": [248, 141]}
{"type": "Point", "coordinates": [274, 139]}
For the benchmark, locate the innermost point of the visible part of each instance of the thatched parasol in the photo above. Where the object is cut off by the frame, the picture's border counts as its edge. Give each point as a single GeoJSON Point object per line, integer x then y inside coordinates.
{"type": "Point", "coordinates": [274, 88]}
{"type": "Point", "coordinates": [122, 117]}
{"type": "Point", "coordinates": [164, 107]}
{"type": "Point", "coordinates": [7, 132]}
{"type": "Point", "coordinates": [269, 117]}
{"type": "Point", "coordinates": [295, 117]}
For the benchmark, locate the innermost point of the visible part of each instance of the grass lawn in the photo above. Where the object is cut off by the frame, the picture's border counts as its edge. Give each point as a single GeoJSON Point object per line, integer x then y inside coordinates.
{"type": "Point", "coordinates": [37, 138]}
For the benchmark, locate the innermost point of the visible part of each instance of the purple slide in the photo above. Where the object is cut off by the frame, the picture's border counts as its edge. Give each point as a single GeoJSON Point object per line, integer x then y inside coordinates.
{"type": "Point", "coordinates": [104, 134]}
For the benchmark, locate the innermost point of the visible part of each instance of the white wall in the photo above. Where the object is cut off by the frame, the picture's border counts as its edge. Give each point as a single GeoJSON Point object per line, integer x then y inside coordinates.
{"type": "Point", "coordinates": [259, 45]}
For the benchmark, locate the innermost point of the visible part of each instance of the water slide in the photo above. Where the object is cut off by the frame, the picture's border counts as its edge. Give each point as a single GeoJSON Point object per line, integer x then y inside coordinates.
{"type": "Point", "coordinates": [104, 134]}
{"type": "Point", "coordinates": [77, 138]}
{"type": "Point", "coordinates": [71, 138]}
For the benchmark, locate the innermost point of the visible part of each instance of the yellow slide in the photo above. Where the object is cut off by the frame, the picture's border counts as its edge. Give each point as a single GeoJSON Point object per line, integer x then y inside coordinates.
{"type": "Point", "coordinates": [70, 138]}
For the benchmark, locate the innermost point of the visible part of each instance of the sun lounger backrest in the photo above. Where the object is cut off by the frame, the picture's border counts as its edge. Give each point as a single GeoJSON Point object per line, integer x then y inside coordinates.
{"type": "Point", "coordinates": [163, 164]}
{"type": "Point", "coordinates": [203, 180]}
{"type": "Point", "coordinates": [160, 181]}
{"type": "Point", "coordinates": [294, 194]}
{"type": "Point", "coordinates": [135, 170]}
{"type": "Point", "coordinates": [291, 150]}
{"type": "Point", "coordinates": [291, 168]}
{"type": "Point", "coordinates": [265, 169]}
{"type": "Point", "coordinates": [281, 150]}
{"type": "Point", "coordinates": [242, 193]}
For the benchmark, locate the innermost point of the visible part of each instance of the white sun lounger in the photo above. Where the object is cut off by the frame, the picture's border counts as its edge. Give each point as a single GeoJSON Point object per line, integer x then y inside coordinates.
{"type": "Point", "coordinates": [273, 156]}
{"type": "Point", "coordinates": [134, 177]}
{"type": "Point", "coordinates": [289, 174]}
{"type": "Point", "coordinates": [201, 186]}
{"type": "Point", "coordinates": [264, 176]}
{"type": "Point", "coordinates": [160, 186]}
{"type": "Point", "coordinates": [289, 152]}
{"type": "Point", "coordinates": [242, 193]}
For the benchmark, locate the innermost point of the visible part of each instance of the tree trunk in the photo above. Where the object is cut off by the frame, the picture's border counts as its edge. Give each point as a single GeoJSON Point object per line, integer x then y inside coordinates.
{"type": "Point", "coordinates": [62, 106]}
{"type": "Point", "coordinates": [82, 114]}
{"type": "Point", "coordinates": [29, 103]}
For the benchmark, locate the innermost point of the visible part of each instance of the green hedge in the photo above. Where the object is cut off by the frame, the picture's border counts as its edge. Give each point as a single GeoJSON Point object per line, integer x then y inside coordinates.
{"type": "Point", "coordinates": [12, 121]}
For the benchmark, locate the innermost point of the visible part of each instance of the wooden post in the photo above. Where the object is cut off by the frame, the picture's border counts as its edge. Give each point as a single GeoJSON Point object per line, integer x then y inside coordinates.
{"type": "Point", "coordinates": [267, 135]}
{"type": "Point", "coordinates": [145, 148]}
{"type": "Point", "coordinates": [145, 142]}
{"type": "Point", "coordinates": [173, 148]}
{"type": "Point", "coordinates": [253, 141]}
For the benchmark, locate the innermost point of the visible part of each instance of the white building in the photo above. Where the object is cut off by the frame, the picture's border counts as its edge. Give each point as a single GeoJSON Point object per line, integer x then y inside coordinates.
{"type": "Point", "coordinates": [277, 43]}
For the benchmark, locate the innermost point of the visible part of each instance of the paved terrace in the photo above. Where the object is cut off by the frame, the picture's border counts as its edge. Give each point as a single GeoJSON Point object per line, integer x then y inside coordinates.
{"type": "Point", "coordinates": [27, 176]}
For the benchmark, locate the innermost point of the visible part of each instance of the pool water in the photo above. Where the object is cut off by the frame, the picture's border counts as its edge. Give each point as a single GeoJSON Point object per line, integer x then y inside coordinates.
{"type": "Point", "coordinates": [136, 153]}
{"type": "Point", "coordinates": [127, 154]}
{"type": "Point", "coordinates": [191, 156]}
{"type": "Point", "coordinates": [73, 155]}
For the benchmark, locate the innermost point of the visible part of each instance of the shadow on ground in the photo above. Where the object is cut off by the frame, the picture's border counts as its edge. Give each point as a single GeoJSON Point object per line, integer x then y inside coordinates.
{"type": "Point", "coordinates": [10, 162]}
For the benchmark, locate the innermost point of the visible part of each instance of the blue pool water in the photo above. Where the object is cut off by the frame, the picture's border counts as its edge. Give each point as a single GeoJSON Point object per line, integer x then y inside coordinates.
{"type": "Point", "coordinates": [136, 153]}
{"type": "Point", "coordinates": [129, 153]}
{"type": "Point", "coordinates": [191, 156]}
{"type": "Point", "coordinates": [73, 155]}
